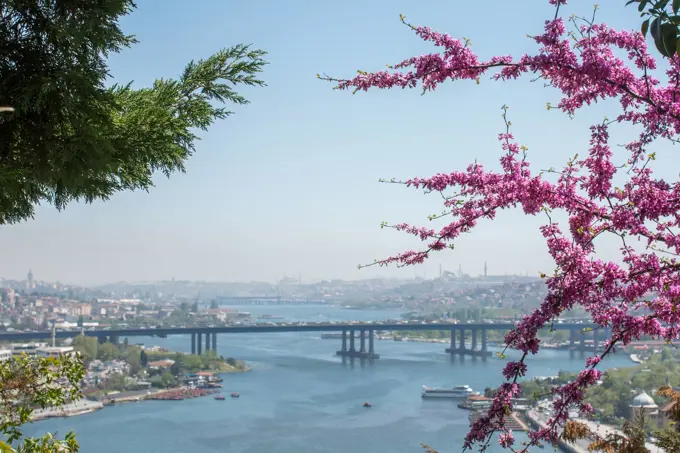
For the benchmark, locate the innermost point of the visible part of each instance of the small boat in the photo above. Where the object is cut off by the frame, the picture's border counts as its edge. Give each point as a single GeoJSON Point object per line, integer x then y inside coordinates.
{"type": "Point", "coordinates": [235, 395]}
{"type": "Point", "coordinates": [219, 397]}
{"type": "Point", "coordinates": [367, 404]}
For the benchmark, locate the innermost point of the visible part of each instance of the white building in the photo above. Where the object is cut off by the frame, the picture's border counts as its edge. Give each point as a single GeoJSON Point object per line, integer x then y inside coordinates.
{"type": "Point", "coordinates": [55, 351]}
{"type": "Point", "coordinates": [5, 354]}
{"type": "Point", "coordinates": [29, 349]}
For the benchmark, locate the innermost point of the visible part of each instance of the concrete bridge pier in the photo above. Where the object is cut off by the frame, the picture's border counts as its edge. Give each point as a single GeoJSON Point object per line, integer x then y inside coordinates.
{"type": "Point", "coordinates": [362, 353]}
{"type": "Point", "coordinates": [199, 343]}
{"type": "Point", "coordinates": [193, 343]}
{"type": "Point", "coordinates": [362, 341]}
{"type": "Point", "coordinates": [351, 341]}
{"type": "Point", "coordinates": [572, 338]}
{"type": "Point", "coordinates": [207, 342]}
{"type": "Point", "coordinates": [582, 344]}
{"type": "Point", "coordinates": [101, 340]}
{"type": "Point", "coordinates": [459, 349]}
{"type": "Point", "coordinates": [485, 341]}
{"type": "Point", "coordinates": [214, 341]}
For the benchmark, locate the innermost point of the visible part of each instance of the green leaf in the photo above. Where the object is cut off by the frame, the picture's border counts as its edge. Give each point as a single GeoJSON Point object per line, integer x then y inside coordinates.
{"type": "Point", "coordinates": [677, 47]}
{"type": "Point", "coordinates": [645, 27]}
{"type": "Point", "coordinates": [642, 5]}
{"type": "Point", "coordinates": [655, 28]}
{"type": "Point", "coordinates": [676, 6]}
{"type": "Point", "coordinates": [668, 40]}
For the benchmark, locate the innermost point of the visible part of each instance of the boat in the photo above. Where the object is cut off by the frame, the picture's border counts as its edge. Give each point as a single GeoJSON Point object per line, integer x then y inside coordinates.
{"type": "Point", "coordinates": [235, 395]}
{"type": "Point", "coordinates": [219, 397]}
{"type": "Point", "coordinates": [457, 392]}
{"type": "Point", "coordinates": [367, 404]}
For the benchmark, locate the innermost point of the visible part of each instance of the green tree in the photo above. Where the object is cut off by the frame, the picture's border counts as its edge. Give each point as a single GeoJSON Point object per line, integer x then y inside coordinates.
{"type": "Point", "coordinates": [143, 359]}
{"type": "Point", "coordinates": [69, 136]}
{"type": "Point", "coordinates": [168, 380]}
{"type": "Point", "coordinates": [107, 351]}
{"type": "Point", "coordinates": [134, 359]}
{"type": "Point", "coordinates": [86, 346]}
{"type": "Point", "coordinates": [27, 383]}
{"type": "Point", "coordinates": [81, 320]}
{"type": "Point", "coordinates": [213, 304]}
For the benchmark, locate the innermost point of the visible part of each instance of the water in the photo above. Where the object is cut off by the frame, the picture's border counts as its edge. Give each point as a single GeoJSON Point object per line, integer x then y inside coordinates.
{"type": "Point", "coordinates": [300, 397]}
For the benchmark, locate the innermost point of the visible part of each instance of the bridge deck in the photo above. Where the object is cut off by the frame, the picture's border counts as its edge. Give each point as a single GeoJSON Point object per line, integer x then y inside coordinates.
{"type": "Point", "coordinates": [318, 327]}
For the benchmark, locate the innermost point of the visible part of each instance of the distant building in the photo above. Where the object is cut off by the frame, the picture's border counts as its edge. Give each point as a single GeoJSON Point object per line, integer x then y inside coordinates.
{"type": "Point", "coordinates": [55, 351]}
{"type": "Point", "coordinates": [30, 284]}
{"type": "Point", "coordinates": [30, 349]}
{"type": "Point", "coordinates": [161, 363]}
{"type": "Point", "coordinates": [644, 406]}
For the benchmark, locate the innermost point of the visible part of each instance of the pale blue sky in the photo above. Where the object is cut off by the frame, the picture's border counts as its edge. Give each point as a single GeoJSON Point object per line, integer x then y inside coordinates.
{"type": "Point", "coordinates": [288, 185]}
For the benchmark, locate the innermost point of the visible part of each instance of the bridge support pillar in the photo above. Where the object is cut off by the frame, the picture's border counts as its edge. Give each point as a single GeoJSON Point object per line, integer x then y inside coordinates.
{"type": "Point", "coordinates": [452, 345]}
{"type": "Point", "coordinates": [572, 338]}
{"type": "Point", "coordinates": [207, 342]}
{"type": "Point", "coordinates": [362, 342]}
{"type": "Point", "coordinates": [461, 345]}
{"type": "Point", "coordinates": [101, 340]}
{"type": "Point", "coordinates": [214, 341]}
{"type": "Point", "coordinates": [199, 343]}
{"type": "Point", "coordinates": [362, 353]}
{"type": "Point", "coordinates": [193, 343]}
{"type": "Point", "coordinates": [474, 339]}
{"type": "Point", "coordinates": [582, 345]}
{"type": "Point", "coordinates": [485, 340]}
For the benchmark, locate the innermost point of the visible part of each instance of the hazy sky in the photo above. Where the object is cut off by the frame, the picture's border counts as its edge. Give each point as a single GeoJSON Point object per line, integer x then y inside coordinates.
{"type": "Point", "coordinates": [289, 184]}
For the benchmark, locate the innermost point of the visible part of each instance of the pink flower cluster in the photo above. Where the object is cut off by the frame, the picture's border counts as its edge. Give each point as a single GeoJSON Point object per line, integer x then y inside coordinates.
{"type": "Point", "coordinates": [638, 295]}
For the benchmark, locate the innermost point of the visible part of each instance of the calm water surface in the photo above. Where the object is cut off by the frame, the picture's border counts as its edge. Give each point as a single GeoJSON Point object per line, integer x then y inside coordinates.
{"type": "Point", "coordinates": [300, 397]}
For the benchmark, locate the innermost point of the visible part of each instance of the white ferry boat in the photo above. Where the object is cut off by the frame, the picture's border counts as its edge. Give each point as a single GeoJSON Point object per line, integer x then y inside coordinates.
{"type": "Point", "coordinates": [458, 392]}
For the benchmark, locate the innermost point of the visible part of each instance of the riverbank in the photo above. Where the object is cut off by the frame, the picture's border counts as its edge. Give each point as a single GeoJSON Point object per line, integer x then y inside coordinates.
{"type": "Point", "coordinates": [67, 410]}
{"type": "Point", "coordinates": [86, 406]}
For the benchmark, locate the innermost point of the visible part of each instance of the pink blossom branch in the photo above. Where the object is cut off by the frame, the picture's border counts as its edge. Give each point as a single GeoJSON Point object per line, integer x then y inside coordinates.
{"type": "Point", "coordinates": [634, 296]}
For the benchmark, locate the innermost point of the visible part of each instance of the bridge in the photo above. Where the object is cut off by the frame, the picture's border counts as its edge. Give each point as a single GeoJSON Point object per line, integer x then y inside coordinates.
{"type": "Point", "coordinates": [265, 300]}
{"type": "Point", "coordinates": [477, 331]}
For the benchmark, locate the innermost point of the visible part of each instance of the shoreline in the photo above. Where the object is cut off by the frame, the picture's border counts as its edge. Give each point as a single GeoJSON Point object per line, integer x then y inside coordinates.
{"type": "Point", "coordinates": [87, 406]}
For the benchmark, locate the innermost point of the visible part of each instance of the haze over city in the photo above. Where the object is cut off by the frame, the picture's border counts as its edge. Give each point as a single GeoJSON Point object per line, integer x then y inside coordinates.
{"type": "Point", "coordinates": [288, 185]}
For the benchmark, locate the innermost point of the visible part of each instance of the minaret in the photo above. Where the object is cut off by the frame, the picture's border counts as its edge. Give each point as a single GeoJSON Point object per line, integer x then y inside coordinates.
{"type": "Point", "coordinates": [484, 268]}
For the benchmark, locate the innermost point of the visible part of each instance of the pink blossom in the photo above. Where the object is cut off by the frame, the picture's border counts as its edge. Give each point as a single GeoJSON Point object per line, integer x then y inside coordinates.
{"type": "Point", "coordinates": [637, 294]}
{"type": "Point", "coordinates": [506, 440]}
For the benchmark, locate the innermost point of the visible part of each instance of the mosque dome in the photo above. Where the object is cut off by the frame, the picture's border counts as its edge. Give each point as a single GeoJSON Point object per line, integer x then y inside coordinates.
{"type": "Point", "coordinates": [643, 400]}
